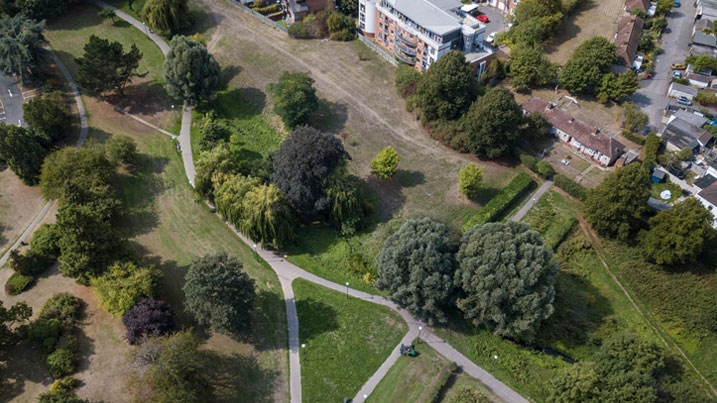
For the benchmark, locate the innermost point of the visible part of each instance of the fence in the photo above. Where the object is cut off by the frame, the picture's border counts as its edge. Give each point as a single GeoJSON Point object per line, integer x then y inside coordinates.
{"type": "Point", "coordinates": [261, 17]}
{"type": "Point", "coordinates": [378, 50]}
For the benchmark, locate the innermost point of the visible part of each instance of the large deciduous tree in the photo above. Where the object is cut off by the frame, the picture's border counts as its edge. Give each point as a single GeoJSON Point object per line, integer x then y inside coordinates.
{"type": "Point", "coordinates": [167, 16]}
{"type": "Point", "coordinates": [302, 164]}
{"type": "Point", "coordinates": [448, 88]}
{"type": "Point", "coordinates": [20, 42]}
{"type": "Point", "coordinates": [529, 66]}
{"type": "Point", "coordinates": [211, 166]}
{"type": "Point", "coordinates": [191, 73]}
{"type": "Point", "coordinates": [105, 65]}
{"type": "Point", "coordinates": [87, 165]}
{"type": "Point", "coordinates": [614, 207]}
{"type": "Point", "coordinates": [39, 10]}
{"type": "Point", "coordinates": [23, 152]}
{"type": "Point", "coordinates": [47, 116]}
{"type": "Point", "coordinates": [219, 293]}
{"type": "Point", "coordinates": [679, 234]}
{"type": "Point", "coordinates": [148, 318]}
{"type": "Point", "coordinates": [590, 61]}
{"type": "Point", "coordinates": [618, 88]}
{"type": "Point", "coordinates": [508, 278]}
{"type": "Point", "coordinates": [537, 20]}
{"type": "Point", "coordinates": [492, 124]}
{"type": "Point", "coordinates": [294, 98]}
{"type": "Point", "coordinates": [416, 267]}
{"type": "Point", "coordinates": [349, 206]}
{"type": "Point", "coordinates": [9, 321]}
{"type": "Point", "coordinates": [266, 216]}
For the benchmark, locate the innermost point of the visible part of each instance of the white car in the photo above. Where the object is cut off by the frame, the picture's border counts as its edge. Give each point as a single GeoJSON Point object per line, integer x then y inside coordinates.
{"type": "Point", "coordinates": [490, 38]}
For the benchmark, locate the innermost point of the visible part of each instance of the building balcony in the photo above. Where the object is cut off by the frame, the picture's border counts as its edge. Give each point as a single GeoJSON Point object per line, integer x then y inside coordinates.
{"type": "Point", "coordinates": [411, 52]}
{"type": "Point", "coordinates": [410, 60]}
{"type": "Point", "coordinates": [412, 43]}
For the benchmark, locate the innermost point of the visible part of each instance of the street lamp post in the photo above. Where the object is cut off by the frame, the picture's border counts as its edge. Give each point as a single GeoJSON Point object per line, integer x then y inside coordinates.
{"type": "Point", "coordinates": [347, 290]}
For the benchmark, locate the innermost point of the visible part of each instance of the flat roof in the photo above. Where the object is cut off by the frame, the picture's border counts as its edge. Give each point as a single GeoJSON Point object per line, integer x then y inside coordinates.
{"type": "Point", "coordinates": [433, 15]}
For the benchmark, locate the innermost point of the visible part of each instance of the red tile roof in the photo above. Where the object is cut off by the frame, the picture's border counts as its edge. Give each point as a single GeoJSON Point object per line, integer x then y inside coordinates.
{"type": "Point", "coordinates": [629, 29]}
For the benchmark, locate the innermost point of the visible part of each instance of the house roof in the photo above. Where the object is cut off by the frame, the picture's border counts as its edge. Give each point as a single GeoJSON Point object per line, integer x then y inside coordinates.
{"type": "Point", "coordinates": [659, 174]}
{"type": "Point", "coordinates": [705, 40]}
{"type": "Point", "coordinates": [627, 38]}
{"type": "Point", "coordinates": [683, 134]}
{"type": "Point", "coordinates": [642, 5]}
{"type": "Point", "coordinates": [701, 78]}
{"type": "Point", "coordinates": [709, 8]}
{"type": "Point", "coordinates": [691, 118]}
{"type": "Point", "coordinates": [657, 204]}
{"type": "Point", "coordinates": [683, 88]}
{"type": "Point", "coordinates": [709, 194]}
{"type": "Point", "coordinates": [434, 15]}
{"type": "Point", "coordinates": [702, 24]}
{"type": "Point", "coordinates": [583, 133]}
{"type": "Point", "coordinates": [705, 181]}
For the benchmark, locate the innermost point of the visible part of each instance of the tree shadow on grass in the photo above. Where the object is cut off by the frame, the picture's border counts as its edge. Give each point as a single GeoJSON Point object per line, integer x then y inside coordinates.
{"type": "Point", "coordinates": [315, 319]}
{"type": "Point", "coordinates": [387, 197]}
{"type": "Point", "coordinates": [330, 117]}
{"type": "Point", "coordinates": [237, 103]}
{"type": "Point", "coordinates": [410, 179]}
{"type": "Point", "coordinates": [237, 378]}
{"type": "Point", "coordinates": [268, 331]}
{"type": "Point", "coordinates": [485, 195]}
{"type": "Point", "coordinates": [228, 74]}
{"type": "Point", "coordinates": [24, 363]}
{"type": "Point", "coordinates": [86, 348]}
{"type": "Point", "coordinates": [145, 98]}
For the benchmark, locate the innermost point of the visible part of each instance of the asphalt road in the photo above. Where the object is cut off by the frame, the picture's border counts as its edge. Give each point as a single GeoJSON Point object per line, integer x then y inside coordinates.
{"type": "Point", "coordinates": [652, 96]}
{"type": "Point", "coordinates": [11, 98]}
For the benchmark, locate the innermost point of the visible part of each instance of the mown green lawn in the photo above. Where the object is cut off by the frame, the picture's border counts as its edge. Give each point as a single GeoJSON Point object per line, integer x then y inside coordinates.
{"type": "Point", "coordinates": [346, 340]}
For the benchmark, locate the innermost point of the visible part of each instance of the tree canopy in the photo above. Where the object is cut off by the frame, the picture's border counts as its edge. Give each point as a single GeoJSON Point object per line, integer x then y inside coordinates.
{"type": "Point", "coordinates": [536, 20]}
{"type": "Point", "coordinates": [448, 88]}
{"type": "Point", "coordinates": [529, 66]}
{"type": "Point", "coordinates": [20, 43]}
{"type": "Point", "coordinates": [301, 165]}
{"type": "Point", "coordinates": [492, 124]}
{"type": "Point", "coordinates": [590, 61]}
{"type": "Point", "coordinates": [167, 16]}
{"type": "Point", "coordinates": [678, 235]}
{"type": "Point", "coordinates": [294, 98]}
{"type": "Point", "coordinates": [123, 285]}
{"type": "Point", "coordinates": [614, 207]}
{"type": "Point", "coordinates": [149, 317]}
{"type": "Point", "coordinates": [508, 278]}
{"type": "Point", "coordinates": [190, 72]}
{"type": "Point", "coordinates": [385, 164]}
{"type": "Point", "coordinates": [211, 166]}
{"type": "Point", "coordinates": [618, 87]}
{"type": "Point", "coordinates": [87, 165]}
{"type": "Point", "coordinates": [416, 267]}
{"type": "Point", "coordinates": [266, 217]}
{"type": "Point", "coordinates": [219, 293]}
{"type": "Point", "coordinates": [470, 178]}
{"type": "Point", "coordinates": [9, 321]}
{"type": "Point", "coordinates": [105, 65]}
{"type": "Point", "coordinates": [22, 151]}
{"type": "Point", "coordinates": [350, 207]}
{"type": "Point", "coordinates": [47, 116]}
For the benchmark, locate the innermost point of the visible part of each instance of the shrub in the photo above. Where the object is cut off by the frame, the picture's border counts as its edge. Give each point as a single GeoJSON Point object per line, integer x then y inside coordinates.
{"type": "Point", "coordinates": [470, 178]}
{"type": "Point", "coordinates": [406, 81]}
{"type": "Point", "coordinates": [633, 137]}
{"type": "Point", "coordinates": [529, 161]}
{"type": "Point", "coordinates": [65, 384]}
{"type": "Point", "coordinates": [61, 362]}
{"type": "Point", "coordinates": [149, 317]}
{"type": "Point", "coordinates": [45, 241]}
{"type": "Point", "coordinates": [29, 264]}
{"type": "Point", "coordinates": [500, 203]}
{"type": "Point", "coordinates": [45, 332]}
{"type": "Point", "coordinates": [652, 147]}
{"type": "Point", "coordinates": [544, 169]}
{"type": "Point", "coordinates": [123, 285]}
{"type": "Point", "coordinates": [706, 97]}
{"type": "Point", "coordinates": [63, 307]}
{"type": "Point", "coordinates": [571, 187]}
{"type": "Point", "coordinates": [298, 30]}
{"type": "Point", "coordinates": [60, 397]}
{"type": "Point", "coordinates": [17, 283]}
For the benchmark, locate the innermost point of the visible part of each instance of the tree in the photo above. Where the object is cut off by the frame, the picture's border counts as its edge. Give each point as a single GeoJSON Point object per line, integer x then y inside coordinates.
{"type": "Point", "coordinates": [121, 150]}
{"type": "Point", "coordinates": [406, 80]}
{"type": "Point", "coordinates": [349, 206]}
{"type": "Point", "coordinates": [105, 65]}
{"type": "Point", "coordinates": [44, 240]}
{"type": "Point", "coordinates": [508, 278]}
{"type": "Point", "coordinates": [590, 61]}
{"type": "Point", "coordinates": [618, 88]}
{"type": "Point", "coordinates": [87, 165]}
{"type": "Point", "coordinates": [107, 14]}
{"type": "Point", "coordinates": [341, 27]}
{"type": "Point", "coordinates": [294, 98]}
{"type": "Point", "coordinates": [229, 196]}
{"type": "Point", "coordinates": [614, 207]}
{"type": "Point", "coordinates": [212, 132]}
{"type": "Point", "coordinates": [447, 89]}
{"type": "Point", "coordinates": [385, 164]}
{"type": "Point", "coordinates": [301, 165]}
{"type": "Point", "coordinates": [493, 123]}
{"type": "Point", "coordinates": [149, 317]}
{"type": "Point", "coordinates": [167, 16]}
{"type": "Point", "coordinates": [469, 180]}
{"type": "Point", "coordinates": [266, 216]}
{"type": "Point", "coordinates": [219, 293]}
{"type": "Point", "coordinates": [537, 20]}
{"type": "Point", "coordinates": [529, 66]}
{"type": "Point", "coordinates": [635, 119]}
{"type": "Point", "coordinates": [416, 267]}
{"type": "Point", "coordinates": [123, 285]}
{"type": "Point", "coordinates": [678, 235]}
{"type": "Point", "coordinates": [348, 7]}
{"type": "Point", "coordinates": [47, 116]}
{"type": "Point", "coordinates": [190, 72]}
{"type": "Point", "coordinates": [210, 166]}
{"type": "Point", "coordinates": [22, 151]}
{"type": "Point", "coordinates": [10, 319]}
{"type": "Point", "coordinates": [20, 44]}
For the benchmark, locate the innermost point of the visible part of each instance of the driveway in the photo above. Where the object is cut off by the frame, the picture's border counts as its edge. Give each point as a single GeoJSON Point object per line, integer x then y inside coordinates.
{"type": "Point", "coordinates": [652, 96]}
{"type": "Point", "coordinates": [11, 98]}
{"type": "Point", "coordinates": [497, 20]}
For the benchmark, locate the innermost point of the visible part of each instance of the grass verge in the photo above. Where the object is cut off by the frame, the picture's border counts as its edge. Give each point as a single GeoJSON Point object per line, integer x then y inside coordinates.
{"type": "Point", "coordinates": [346, 341]}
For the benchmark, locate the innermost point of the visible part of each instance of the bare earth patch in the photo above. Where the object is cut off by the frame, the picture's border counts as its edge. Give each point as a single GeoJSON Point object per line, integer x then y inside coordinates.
{"type": "Point", "coordinates": [19, 204]}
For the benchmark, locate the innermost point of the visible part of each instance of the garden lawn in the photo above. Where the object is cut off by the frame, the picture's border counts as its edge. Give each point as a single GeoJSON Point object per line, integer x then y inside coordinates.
{"type": "Point", "coordinates": [347, 340]}
{"type": "Point", "coordinates": [553, 216]}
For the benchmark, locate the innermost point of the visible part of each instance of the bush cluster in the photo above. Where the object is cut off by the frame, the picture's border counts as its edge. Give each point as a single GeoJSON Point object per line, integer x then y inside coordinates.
{"type": "Point", "coordinates": [17, 283]}
{"type": "Point", "coordinates": [633, 137]}
{"type": "Point", "coordinates": [149, 317]}
{"type": "Point", "coordinates": [327, 23]}
{"type": "Point", "coordinates": [500, 203]}
{"type": "Point", "coordinates": [540, 167]}
{"type": "Point", "coordinates": [571, 187]}
{"type": "Point", "coordinates": [42, 253]}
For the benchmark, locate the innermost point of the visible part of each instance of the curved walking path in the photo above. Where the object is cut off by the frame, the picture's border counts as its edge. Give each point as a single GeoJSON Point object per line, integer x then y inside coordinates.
{"type": "Point", "coordinates": [533, 199]}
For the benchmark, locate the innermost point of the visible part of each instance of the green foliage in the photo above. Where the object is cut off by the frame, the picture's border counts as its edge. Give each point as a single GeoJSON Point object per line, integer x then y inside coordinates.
{"type": "Point", "coordinates": [492, 123]}
{"type": "Point", "coordinates": [447, 89]}
{"type": "Point", "coordinates": [294, 98]}
{"type": "Point", "coordinates": [529, 66]}
{"type": "Point", "coordinates": [664, 7]}
{"type": "Point", "coordinates": [536, 20]}
{"type": "Point", "coordinates": [614, 207]}
{"type": "Point", "coordinates": [30, 263]}
{"type": "Point", "coordinates": [706, 97]}
{"type": "Point", "coordinates": [167, 16]}
{"type": "Point", "coordinates": [45, 332]}
{"type": "Point", "coordinates": [11, 321]}
{"type": "Point", "coordinates": [702, 62]}
{"type": "Point", "coordinates": [500, 203]}
{"type": "Point", "coordinates": [385, 164]}
{"type": "Point", "coordinates": [190, 72]}
{"type": "Point", "coordinates": [20, 44]}
{"type": "Point", "coordinates": [416, 267]}
{"type": "Point", "coordinates": [45, 241]}
{"type": "Point", "coordinates": [219, 293]}
{"type": "Point", "coordinates": [105, 65]}
{"type": "Point", "coordinates": [212, 132]}
{"type": "Point", "coordinates": [652, 147]}
{"type": "Point", "coordinates": [107, 14]}
{"type": "Point", "coordinates": [212, 166]}
{"type": "Point", "coordinates": [507, 276]}
{"type": "Point", "coordinates": [347, 7]}
{"type": "Point", "coordinates": [17, 283]}
{"type": "Point", "coordinates": [22, 151]}
{"type": "Point", "coordinates": [61, 362]}
{"type": "Point", "coordinates": [406, 80]}
{"type": "Point", "coordinates": [540, 167]}
{"type": "Point", "coordinates": [63, 307]}
{"type": "Point", "coordinates": [494, 73]}
{"type": "Point", "coordinates": [298, 30]}
{"type": "Point", "coordinates": [468, 395]}
{"type": "Point", "coordinates": [590, 61]}
{"type": "Point", "coordinates": [123, 285]}
{"type": "Point", "coordinates": [87, 166]}
{"type": "Point", "coordinates": [341, 27]}
{"type": "Point", "coordinates": [536, 126]}
{"type": "Point", "coordinates": [122, 150]}
{"type": "Point", "coordinates": [637, 139]}
{"type": "Point", "coordinates": [229, 196]}
{"type": "Point", "coordinates": [571, 187]}
{"type": "Point", "coordinates": [470, 178]}
{"type": "Point", "coordinates": [685, 154]}
{"type": "Point", "coordinates": [618, 88]}
{"type": "Point", "coordinates": [678, 235]}
{"type": "Point", "coordinates": [267, 218]}
{"type": "Point", "coordinates": [350, 208]}
{"type": "Point", "coordinates": [47, 116]}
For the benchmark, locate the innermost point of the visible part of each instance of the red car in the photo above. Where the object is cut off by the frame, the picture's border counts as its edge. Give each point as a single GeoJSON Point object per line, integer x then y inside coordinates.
{"type": "Point", "coordinates": [483, 18]}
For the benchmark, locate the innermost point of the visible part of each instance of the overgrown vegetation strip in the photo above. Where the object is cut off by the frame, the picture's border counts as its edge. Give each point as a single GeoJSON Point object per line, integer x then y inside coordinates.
{"type": "Point", "coordinates": [521, 184]}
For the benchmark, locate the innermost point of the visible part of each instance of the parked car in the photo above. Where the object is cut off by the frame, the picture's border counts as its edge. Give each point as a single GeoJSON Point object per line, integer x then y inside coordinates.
{"type": "Point", "coordinates": [684, 101]}
{"type": "Point", "coordinates": [490, 38]}
{"type": "Point", "coordinates": [483, 18]}
{"type": "Point", "coordinates": [678, 66]}
{"type": "Point", "coordinates": [677, 3]}
{"type": "Point", "coordinates": [676, 74]}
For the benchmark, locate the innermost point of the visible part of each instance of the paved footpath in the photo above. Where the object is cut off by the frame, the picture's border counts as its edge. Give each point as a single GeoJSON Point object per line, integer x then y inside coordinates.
{"type": "Point", "coordinates": [533, 199]}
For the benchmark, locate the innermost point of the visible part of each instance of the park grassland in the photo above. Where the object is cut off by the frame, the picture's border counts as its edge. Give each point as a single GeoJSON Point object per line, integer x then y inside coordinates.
{"type": "Point", "coordinates": [346, 340]}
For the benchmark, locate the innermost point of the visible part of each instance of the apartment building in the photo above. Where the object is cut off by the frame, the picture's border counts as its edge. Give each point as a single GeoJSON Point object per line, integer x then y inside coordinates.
{"type": "Point", "coordinates": [419, 32]}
